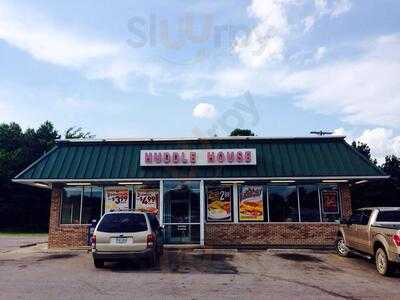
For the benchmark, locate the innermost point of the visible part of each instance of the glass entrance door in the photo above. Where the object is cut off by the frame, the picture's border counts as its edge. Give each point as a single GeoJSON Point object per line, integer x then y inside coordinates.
{"type": "Point", "coordinates": [182, 212]}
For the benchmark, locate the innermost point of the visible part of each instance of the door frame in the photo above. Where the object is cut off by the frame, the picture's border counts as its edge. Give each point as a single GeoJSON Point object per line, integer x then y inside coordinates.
{"type": "Point", "coordinates": [202, 208]}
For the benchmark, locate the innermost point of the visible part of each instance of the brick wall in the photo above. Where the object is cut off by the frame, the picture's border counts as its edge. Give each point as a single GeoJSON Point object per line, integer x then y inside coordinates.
{"type": "Point", "coordinates": [277, 234]}
{"type": "Point", "coordinates": [64, 236]}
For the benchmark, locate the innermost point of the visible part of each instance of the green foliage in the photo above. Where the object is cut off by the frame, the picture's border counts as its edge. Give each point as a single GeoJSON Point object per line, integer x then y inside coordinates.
{"type": "Point", "coordinates": [241, 132]}
{"type": "Point", "coordinates": [78, 133]}
{"type": "Point", "coordinates": [365, 150]}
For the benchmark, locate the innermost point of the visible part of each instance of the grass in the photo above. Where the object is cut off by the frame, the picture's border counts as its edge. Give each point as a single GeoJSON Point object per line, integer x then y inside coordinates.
{"type": "Point", "coordinates": [22, 234]}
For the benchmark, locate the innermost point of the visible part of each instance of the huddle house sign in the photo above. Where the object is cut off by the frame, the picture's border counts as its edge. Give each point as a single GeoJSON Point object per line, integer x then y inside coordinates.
{"type": "Point", "coordinates": [198, 157]}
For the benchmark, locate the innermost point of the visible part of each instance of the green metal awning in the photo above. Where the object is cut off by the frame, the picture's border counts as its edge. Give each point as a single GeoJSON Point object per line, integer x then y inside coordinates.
{"type": "Point", "coordinates": [277, 158]}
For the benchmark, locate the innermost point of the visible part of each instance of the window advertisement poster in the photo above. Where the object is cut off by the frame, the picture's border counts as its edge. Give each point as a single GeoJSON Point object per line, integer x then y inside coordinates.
{"type": "Point", "coordinates": [219, 201]}
{"type": "Point", "coordinates": [147, 200]}
{"type": "Point", "coordinates": [251, 206]}
{"type": "Point", "coordinates": [116, 199]}
{"type": "Point", "coordinates": [330, 202]}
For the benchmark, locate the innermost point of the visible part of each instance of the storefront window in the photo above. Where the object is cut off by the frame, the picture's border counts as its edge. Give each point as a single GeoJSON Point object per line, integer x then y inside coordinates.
{"type": "Point", "coordinates": [283, 204]}
{"type": "Point", "coordinates": [80, 205]}
{"type": "Point", "coordinates": [330, 207]}
{"type": "Point", "coordinates": [71, 205]}
{"type": "Point", "coordinates": [309, 203]}
{"type": "Point", "coordinates": [219, 203]}
{"type": "Point", "coordinates": [91, 204]}
{"type": "Point", "coordinates": [251, 203]}
{"type": "Point", "coordinates": [146, 197]}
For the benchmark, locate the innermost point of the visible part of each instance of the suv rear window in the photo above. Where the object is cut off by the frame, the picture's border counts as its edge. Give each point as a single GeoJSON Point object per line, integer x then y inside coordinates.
{"type": "Point", "coordinates": [123, 223]}
{"type": "Point", "coordinates": [388, 216]}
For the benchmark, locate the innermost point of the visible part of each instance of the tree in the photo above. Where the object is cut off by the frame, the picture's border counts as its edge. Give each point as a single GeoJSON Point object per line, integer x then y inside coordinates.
{"type": "Point", "coordinates": [391, 166]}
{"type": "Point", "coordinates": [21, 206]}
{"type": "Point", "coordinates": [78, 133]}
{"type": "Point", "coordinates": [364, 150]}
{"type": "Point", "coordinates": [242, 132]}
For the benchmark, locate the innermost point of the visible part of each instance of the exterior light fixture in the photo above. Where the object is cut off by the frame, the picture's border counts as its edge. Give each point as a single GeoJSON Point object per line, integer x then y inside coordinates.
{"type": "Point", "coordinates": [130, 183]}
{"type": "Point", "coordinates": [231, 181]}
{"type": "Point", "coordinates": [361, 182]}
{"type": "Point", "coordinates": [335, 181]}
{"type": "Point", "coordinates": [78, 183]}
{"type": "Point", "coordinates": [42, 185]}
{"type": "Point", "coordinates": [283, 181]}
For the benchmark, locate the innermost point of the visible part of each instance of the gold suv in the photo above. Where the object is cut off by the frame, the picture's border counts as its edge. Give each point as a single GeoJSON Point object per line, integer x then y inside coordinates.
{"type": "Point", "coordinates": [127, 235]}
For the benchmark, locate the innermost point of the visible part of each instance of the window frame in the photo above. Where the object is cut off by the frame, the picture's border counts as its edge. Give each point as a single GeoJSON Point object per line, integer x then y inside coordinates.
{"type": "Point", "coordinates": [82, 187]}
{"type": "Point", "coordinates": [206, 187]}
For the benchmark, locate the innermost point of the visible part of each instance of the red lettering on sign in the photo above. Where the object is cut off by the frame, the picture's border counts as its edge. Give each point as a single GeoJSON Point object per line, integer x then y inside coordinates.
{"type": "Point", "coordinates": [184, 159]}
{"type": "Point", "coordinates": [157, 157]}
{"type": "Point", "coordinates": [221, 157]}
{"type": "Point", "coordinates": [247, 156]}
{"type": "Point", "coordinates": [175, 157]}
{"type": "Point", "coordinates": [210, 157]}
{"type": "Point", "coordinates": [230, 156]}
{"type": "Point", "coordinates": [167, 157]}
{"type": "Point", "coordinates": [193, 157]}
{"type": "Point", "coordinates": [148, 157]}
{"type": "Point", "coordinates": [239, 156]}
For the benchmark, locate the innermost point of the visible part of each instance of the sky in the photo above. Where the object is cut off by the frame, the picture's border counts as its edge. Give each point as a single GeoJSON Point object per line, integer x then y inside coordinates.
{"type": "Point", "coordinates": [132, 69]}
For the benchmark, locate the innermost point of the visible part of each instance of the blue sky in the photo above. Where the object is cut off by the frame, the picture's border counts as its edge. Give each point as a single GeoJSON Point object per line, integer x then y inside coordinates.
{"type": "Point", "coordinates": [187, 68]}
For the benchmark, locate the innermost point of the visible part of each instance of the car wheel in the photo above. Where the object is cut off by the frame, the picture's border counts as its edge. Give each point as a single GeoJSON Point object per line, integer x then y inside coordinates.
{"type": "Point", "coordinates": [341, 247]}
{"type": "Point", "coordinates": [98, 263]}
{"type": "Point", "coordinates": [383, 265]}
{"type": "Point", "coordinates": [152, 259]}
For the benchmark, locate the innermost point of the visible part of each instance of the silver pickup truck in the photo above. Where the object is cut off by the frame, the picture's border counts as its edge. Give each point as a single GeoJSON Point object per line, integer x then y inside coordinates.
{"type": "Point", "coordinates": [372, 232]}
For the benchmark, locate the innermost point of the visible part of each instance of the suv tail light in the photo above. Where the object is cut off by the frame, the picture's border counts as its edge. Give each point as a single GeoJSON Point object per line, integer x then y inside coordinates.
{"type": "Point", "coordinates": [150, 240]}
{"type": "Point", "coordinates": [396, 239]}
{"type": "Point", "coordinates": [94, 241]}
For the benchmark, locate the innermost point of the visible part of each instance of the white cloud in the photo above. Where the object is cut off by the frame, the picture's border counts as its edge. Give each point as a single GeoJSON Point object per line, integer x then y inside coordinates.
{"type": "Point", "coordinates": [48, 41]}
{"type": "Point", "coordinates": [382, 142]}
{"type": "Point", "coordinates": [33, 33]}
{"type": "Point", "coordinates": [340, 7]}
{"type": "Point", "coordinates": [320, 53]}
{"type": "Point", "coordinates": [266, 41]}
{"type": "Point", "coordinates": [363, 91]}
{"type": "Point", "coordinates": [204, 110]}
{"type": "Point", "coordinates": [323, 8]}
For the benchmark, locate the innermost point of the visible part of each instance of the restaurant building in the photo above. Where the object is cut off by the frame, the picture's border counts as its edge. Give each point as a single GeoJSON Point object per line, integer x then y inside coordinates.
{"type": "Point", "coordinates": [212, 192]}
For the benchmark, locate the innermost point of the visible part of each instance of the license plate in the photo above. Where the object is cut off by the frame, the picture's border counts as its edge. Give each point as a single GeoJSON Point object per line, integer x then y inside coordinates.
{"type": "Point", "coordinates": [121, 240]}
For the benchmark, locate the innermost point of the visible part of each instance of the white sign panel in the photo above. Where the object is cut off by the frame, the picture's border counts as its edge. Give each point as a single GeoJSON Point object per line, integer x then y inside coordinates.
{"type": "Point", "coordinates": [198, 157]}
{"type": "Point", "coordinates": [116, 199]}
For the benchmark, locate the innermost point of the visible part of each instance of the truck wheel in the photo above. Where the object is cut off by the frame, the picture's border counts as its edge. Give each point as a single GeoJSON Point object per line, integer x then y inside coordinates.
{"type": "Point", "coordinates": [383, 266]}
{"type": "Point", "coordinates": [341, 247]}
{"type": "Point", "coordinates": [98, 263]}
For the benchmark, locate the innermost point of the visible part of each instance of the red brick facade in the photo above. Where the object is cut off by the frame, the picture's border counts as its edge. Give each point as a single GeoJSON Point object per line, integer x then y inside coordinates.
{"type": "Point", "coordinates": [249, 234]}
{"type": "Point", "coordinates": [64, 236]}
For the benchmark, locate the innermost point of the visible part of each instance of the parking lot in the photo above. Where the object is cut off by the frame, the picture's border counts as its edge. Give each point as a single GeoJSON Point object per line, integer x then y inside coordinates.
{"type": "Point", "coordinates": [195, 274]}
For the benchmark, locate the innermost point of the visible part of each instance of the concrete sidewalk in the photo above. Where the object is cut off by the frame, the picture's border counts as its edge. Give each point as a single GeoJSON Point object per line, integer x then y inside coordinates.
{"type": "Point", "coordinates": [10, 242]}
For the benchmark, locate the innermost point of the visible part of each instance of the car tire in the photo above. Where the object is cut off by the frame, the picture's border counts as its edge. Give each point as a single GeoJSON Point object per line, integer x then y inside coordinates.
{"type": "Point", "coordinates": [383, 265]}
{"type": "Point", "coordinates": [152, 259]}
{"type": "Point", "coordinates": [341, 247]}
{"type": "Point", "coordinates": [98, 263]}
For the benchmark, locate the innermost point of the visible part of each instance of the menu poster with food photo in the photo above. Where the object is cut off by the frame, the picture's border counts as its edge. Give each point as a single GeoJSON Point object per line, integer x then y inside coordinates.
{"type": "Point", "coordinates": [251, 203]}
{"type": "Point", "coordinates": [116, 199]}
{"type": "Point", "coordinates": [219, 201]}
{"type": "Point", "coordinates": [330, 202]}
{"type": "Point", "coordinates": [147, 200]}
